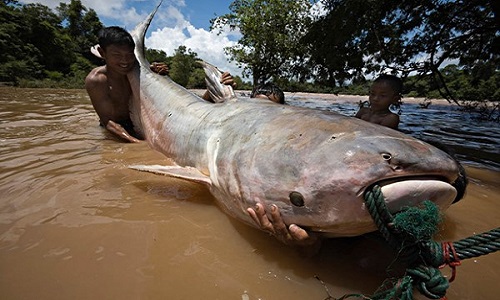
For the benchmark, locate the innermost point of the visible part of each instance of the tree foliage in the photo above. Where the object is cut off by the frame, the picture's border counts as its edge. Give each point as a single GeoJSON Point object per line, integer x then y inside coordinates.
{"type": "Point", "coordinates": [271, 30]}
{"type": "Point", "coordinates": [34, 43]}
{"type": "Point", "coordinates": [359, 37]}
{"type": "Point", "coordinates": [439, 47]}
{"type": "Point", "coordinates": [18, 57]}
{"type": "Point", "coordinates": [183, 63]}
{"type": "Point", "coordinates": [83, 25]}
{"type": "Point", "coordinates": [39, 47]}
{"type": "Point", "coordinates": [44, 32]}
{"type": "Point", "coordinates": [183, 66]}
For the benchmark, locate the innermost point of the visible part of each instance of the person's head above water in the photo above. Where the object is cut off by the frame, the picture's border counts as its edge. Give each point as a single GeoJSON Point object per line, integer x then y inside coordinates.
{"type": "Point", "coordinates": [389, 86]}
{"type": "Point", "coordinates": [268, 91]}
{"type": "Point", "coordinates": [386, 91]}
{"type": "Point", "coordinates": [116, 47]}
{"type": "Point", "coordinates": [114, 35]}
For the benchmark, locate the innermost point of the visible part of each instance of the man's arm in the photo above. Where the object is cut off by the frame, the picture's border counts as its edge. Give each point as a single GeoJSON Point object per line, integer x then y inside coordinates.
{"type": "Point", "coordinates": [361, 112]}
{"type": "Point", "coordinates": [159, 68]}
{"type": "Point", "coordinates": [97, 89]}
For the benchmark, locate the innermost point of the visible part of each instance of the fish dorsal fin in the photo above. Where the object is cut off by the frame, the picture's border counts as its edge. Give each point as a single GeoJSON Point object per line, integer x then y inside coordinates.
{"type": "Point", "coordinates": [187, 173]}
{"type": "Point", "coordinates": [218, 91]}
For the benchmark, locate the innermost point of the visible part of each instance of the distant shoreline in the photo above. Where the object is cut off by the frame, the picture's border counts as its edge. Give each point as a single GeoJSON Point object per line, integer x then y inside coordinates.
{"type": "Point", "coordinates": [338, 98]}
{"type": "Point", "coordinates": [357, 98]}
{"type": "Point", "coordinates": [303, 95]}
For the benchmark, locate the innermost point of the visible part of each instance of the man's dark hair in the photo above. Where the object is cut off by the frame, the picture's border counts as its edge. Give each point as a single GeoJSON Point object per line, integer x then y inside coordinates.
{"type": "Point", "coordinates": [115, 35]}
{"type": "Point", "coordinates": [269, 89]}
{"type": "Point", "coordinates": [395, 82]}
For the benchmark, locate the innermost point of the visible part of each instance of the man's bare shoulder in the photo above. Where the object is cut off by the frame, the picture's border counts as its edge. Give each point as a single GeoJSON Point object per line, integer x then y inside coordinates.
{"type": "Point", "coordinates": [391, 121]}
{"type": "Point", "coordinates": [96, 77]}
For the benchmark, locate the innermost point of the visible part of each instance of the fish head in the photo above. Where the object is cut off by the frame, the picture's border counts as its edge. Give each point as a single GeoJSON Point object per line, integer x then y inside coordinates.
{"type": "Point", "coordinates": [322, 187]}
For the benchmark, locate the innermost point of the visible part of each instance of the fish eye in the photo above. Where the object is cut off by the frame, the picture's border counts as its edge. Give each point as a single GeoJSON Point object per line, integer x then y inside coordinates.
{"type": "Point", "coordinates": [386, 156]}
{"type": "Point", "coordinates": [297, 199]}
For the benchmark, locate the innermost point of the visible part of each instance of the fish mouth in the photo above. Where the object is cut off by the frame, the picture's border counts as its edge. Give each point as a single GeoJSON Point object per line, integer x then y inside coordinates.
{"type": "Point", "coordinates": [407, 192]}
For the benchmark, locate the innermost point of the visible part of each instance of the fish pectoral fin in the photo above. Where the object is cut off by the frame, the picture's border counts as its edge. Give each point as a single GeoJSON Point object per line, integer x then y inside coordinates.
{"type": "Point", "coordinates": [187, 173]}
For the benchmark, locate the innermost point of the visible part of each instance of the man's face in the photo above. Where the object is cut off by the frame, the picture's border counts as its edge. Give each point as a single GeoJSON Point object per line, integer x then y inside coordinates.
{"type": "Point", "coordinates": [382, 95]}
{"type": "Point", "coordinates": [119, 58]}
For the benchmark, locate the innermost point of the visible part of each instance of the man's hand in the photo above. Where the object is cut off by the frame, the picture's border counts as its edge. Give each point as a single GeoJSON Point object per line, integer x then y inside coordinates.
{"type": "Point", "coordinates": [159, 68]}
{"type": "Point", "coordinates": [121, 132]}
{"type": "Point", "coordinates": [227, 79]}
{"type": "Point", "coordinates": [292, 235]}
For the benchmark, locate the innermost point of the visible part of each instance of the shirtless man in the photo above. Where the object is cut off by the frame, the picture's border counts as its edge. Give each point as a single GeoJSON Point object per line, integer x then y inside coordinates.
{"type": "Point", "coordinates": [108, 86]}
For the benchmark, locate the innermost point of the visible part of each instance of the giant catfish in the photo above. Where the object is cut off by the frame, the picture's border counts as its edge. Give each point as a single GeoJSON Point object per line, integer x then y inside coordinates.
{"type": "Point", "coordinates": [314, 165]}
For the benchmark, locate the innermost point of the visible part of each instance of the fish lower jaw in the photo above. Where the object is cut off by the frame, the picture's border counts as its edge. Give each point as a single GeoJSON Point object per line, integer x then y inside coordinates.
{"type": "Point", "coordinates": [411, 192]}
{"type": "Point", "coordinates": [398, 194]}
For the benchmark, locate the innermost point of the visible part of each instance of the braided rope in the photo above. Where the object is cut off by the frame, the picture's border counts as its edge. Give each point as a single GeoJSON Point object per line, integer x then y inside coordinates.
{"type": "Point", "coordinates": [427, 255]}
{"type": "Point", "coordinates": [380, 214]}
{"type": "Point", "coordinates": [478, 245]}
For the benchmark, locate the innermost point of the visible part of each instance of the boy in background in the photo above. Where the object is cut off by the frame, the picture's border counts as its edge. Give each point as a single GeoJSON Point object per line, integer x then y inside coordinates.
{"type": "Point", "coordinates": [385, 91]}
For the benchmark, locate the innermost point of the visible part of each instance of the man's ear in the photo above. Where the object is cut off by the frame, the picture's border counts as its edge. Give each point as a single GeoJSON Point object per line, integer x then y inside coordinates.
{"type": "Point", "coordinates": [397, 98]}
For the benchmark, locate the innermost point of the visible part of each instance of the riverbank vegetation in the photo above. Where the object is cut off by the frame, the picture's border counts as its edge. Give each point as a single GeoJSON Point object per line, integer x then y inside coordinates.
{"type": "Point", "coordinates": [442, 49]}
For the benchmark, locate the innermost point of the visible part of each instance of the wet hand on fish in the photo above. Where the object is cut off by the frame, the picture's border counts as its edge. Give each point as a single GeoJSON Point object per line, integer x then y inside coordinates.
{"type": "Point", "coordinates": [291, 235]}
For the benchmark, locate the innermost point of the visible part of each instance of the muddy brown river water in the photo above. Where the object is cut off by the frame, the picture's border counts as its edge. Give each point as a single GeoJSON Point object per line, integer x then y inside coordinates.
{"type": "Point", "coordinates": [76, 223]}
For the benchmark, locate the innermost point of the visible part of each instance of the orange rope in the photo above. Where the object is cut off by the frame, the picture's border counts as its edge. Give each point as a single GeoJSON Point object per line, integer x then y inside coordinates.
{"type": "Point", "coordinates": [452, 261]}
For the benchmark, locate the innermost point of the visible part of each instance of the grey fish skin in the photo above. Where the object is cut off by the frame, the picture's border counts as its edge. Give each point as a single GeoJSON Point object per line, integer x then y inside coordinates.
{"type": "Point", "coordinates": [249, 150]}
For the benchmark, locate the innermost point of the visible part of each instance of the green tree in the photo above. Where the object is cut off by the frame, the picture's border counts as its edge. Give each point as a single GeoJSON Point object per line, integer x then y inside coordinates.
{"type": "Point", "coordinates": [196, 79]}
{"type": "Point", "coordinates": [11, 44]}
{"type": "Point", "coordinates": [358, 37]}
{"type": "Point", "coordinates": [183, 63]}
{"type": "Point", "coordinates": [91, 27]}
{"type": "Point", "coordinates": [43, 30]}
{"type": "Point", "coordinates": [35, 45]}
{"type": "Point", "coordinates": [271, 30]}
{"type": "Point", "coordinates": [83, 25]}
{"type": "Point", "coordinates": [154, 55]}
{"type": "Point", "coordinates": [28, 39]}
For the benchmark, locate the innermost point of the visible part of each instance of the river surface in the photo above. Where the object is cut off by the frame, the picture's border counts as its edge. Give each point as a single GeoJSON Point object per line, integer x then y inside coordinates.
{"type": "Point", "coordinates": [76, 223]}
